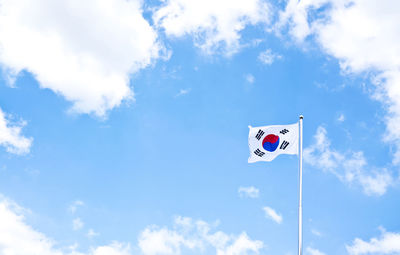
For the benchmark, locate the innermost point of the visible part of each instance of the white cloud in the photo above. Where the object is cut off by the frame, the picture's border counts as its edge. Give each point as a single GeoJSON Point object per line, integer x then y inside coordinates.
{"type": "Point", "coordinates": [251, 192]}
{"type": "Point", "coordinates": [154, 240]}
{"type": "Point", "coordinates": [341, 118]}
{"type": "Point", "coordinates": [91, 233]}
{"type": "Point", "coordinates": [74, 206]}
{"type": "Point", "coordinates": [182, 92]}
{"type": "Point", "coordinates": [250, 78]}
{"type": "Point", "coordinates": [368, 42]}
{"type": "Point", "coordinates": [377, 183]}
{"type": "Point", "coordinates": [268, 57]}
{"type": "Point", "coordinates": [241, 246]}
{"type": "Point", "coordinates": [388, 243]}
{"type": "Point", "coordinates": [16, 237]}
{"type": "Point", "coordinates": [11, 137]}
{"type": "Point", "coordinates": [19, 238]}
{"type": "Point", "coordinates": [114, 248]}
{"type": "Point", "coordinates": [312, 251]}
{"type": "Point", "coordinates": [83, 51]}
{"type": "Point", "coordinates": [214, 24]}
{"type": "Point", "coordinates": [296, 17]}
{"type": "Point", "coordinates": [350, 167]}
{"type": "Point", "coordinates": [194, 235]}
{"type": "Point", "coordinates": [77, 224]}
{"type": "Point", "coordinates": [316, 232]}
{"type": "Point", "coordinates": [272, 214]}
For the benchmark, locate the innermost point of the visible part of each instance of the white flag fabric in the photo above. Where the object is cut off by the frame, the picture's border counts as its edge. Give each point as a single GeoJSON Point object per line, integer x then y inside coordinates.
{"type": "Point", "coordinates": [266, 143]}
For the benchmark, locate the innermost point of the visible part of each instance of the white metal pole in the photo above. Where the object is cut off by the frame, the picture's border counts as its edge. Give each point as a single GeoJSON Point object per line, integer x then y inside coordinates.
{"type": "Point", "coordinates": [300, 185]}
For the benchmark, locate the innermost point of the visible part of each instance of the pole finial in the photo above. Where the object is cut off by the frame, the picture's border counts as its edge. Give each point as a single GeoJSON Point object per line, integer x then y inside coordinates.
{"type": "Point", "coordinates": [301, 116]}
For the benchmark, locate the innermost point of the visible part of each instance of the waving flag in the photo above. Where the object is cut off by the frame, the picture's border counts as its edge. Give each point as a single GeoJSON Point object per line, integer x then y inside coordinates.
{"type": "Point", "coordinates": [266, 143]}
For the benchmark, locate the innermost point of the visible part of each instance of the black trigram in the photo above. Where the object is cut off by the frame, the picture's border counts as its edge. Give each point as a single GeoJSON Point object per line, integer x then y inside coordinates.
{"type": "Point", "coordinates": [259, 134]}
{"type": "Point", "coordinates": [259, 153]}
{"type": "Point", "coordinates": [284, 145]}
{"type": "Point", "coordinates": [283, 132]}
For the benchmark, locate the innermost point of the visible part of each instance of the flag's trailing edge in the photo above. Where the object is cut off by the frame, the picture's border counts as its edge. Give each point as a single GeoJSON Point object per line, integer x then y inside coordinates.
{"type": "Point", "coordinates": [266, 143]}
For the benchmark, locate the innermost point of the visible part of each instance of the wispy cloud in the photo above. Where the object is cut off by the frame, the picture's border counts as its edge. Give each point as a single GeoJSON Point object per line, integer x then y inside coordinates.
{"type": "Point", "coordinates": [316, 232]}
{"type": "Point", "coordinates": [312, 251]}
{"type": "Point", "coordinates": [194, 235]}
{"type": "Point", "coordinates": [74, 206]}
{"type": "Point", "coordinates": [183, 92]}
{"type": "Point", "coordinates": [250, 78]}
{"type": "Point", "coordinates": [91, 233]}
{"type": "Point", "coordinates": [374, 51]}
{"type": "Point", "coordinates": [77, 224]}
{"type": "Point", "coordinates": [216, 27]}
{"type": "Point", "coordinates": [186, 233]}
{"type": "Point", "coordinates": [387, 243]}
{"type": "Point", "coordinates": [350, 167]}
{"type": "Point", "coordinates": [272, 214]}
{"type": "Point", "coordinates": [267, 57]}
{"type": "Point", "coordinates": [251, 192]}
{"type": "Point", "coordinates": [24, 239]}
{"type": "Point", "coordinates": [11, 137]}
{"type": "Point", "coordinates": [341, 118]}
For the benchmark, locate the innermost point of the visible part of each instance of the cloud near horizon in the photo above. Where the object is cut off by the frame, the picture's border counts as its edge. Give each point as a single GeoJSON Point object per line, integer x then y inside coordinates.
{"type": "Point", "coordinates": [387, 243]}
{"type": "Point", "coordinates": [19, 238]}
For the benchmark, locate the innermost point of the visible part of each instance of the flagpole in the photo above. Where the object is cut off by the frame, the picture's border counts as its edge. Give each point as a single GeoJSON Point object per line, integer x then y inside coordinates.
{"type": "Point", "coordinates": [301, 185]}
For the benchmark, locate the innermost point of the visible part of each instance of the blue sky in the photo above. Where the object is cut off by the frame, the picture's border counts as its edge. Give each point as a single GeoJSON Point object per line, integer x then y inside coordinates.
{"type": "Point", "coordinates": [124, 124]}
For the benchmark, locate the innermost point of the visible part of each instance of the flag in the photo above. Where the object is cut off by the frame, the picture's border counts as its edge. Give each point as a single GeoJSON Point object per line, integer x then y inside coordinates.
{"type": "Point", "coordinates": [266, 143]}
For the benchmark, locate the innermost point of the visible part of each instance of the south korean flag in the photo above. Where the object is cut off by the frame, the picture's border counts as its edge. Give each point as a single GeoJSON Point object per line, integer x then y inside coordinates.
{"type": "Point", "coordinates": [266, 143]}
